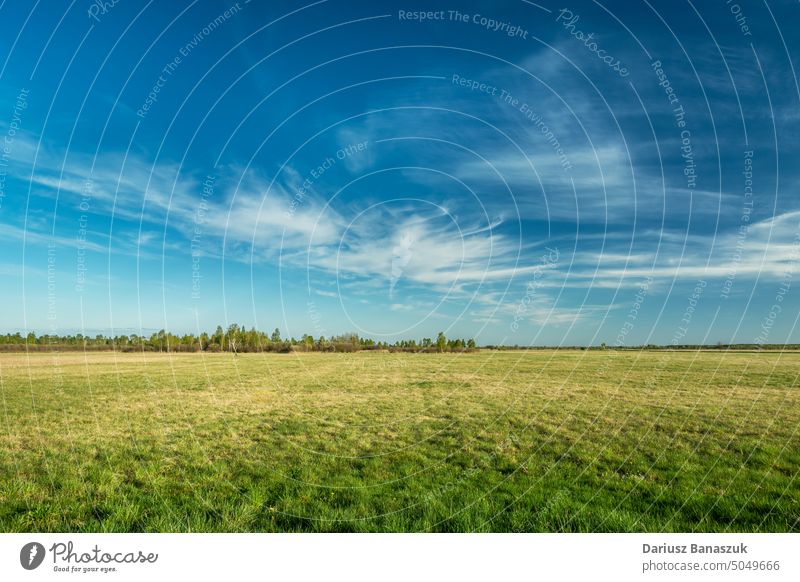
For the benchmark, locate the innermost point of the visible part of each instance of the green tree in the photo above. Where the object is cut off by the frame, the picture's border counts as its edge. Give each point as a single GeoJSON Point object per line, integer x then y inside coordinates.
{"type": "Point", "coordinates": [233, 337]}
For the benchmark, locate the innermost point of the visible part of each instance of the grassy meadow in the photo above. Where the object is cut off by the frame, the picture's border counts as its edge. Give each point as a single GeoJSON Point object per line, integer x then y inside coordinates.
{"type": "Point", "coordinates": [487, 441]}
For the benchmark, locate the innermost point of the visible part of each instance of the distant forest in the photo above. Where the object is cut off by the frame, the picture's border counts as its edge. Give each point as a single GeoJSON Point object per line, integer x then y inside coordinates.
{"type": "Point", "coordinates": [235, 339]}
{"type": "Point", "coordinates": [238, 339]}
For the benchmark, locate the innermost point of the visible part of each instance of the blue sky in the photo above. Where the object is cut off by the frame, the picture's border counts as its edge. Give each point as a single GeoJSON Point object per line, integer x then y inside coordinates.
{"type": "Point", "coordinates": [524, 173]}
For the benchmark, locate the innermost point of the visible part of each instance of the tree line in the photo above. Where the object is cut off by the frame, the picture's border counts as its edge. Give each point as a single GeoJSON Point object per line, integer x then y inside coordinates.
{"type": "Point", "coordinates": [235, 339]}
{"type": "Point", "coordinates": [238, 339]}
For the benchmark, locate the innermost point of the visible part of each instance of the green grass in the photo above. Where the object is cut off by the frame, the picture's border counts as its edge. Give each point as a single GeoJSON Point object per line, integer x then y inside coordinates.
{"type": "Point", "coordinates": [512, 441]}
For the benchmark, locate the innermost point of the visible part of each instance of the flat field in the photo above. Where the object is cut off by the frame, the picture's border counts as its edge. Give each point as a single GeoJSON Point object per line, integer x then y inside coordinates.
{"type": "Point", "coordinates": [488, 441]}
